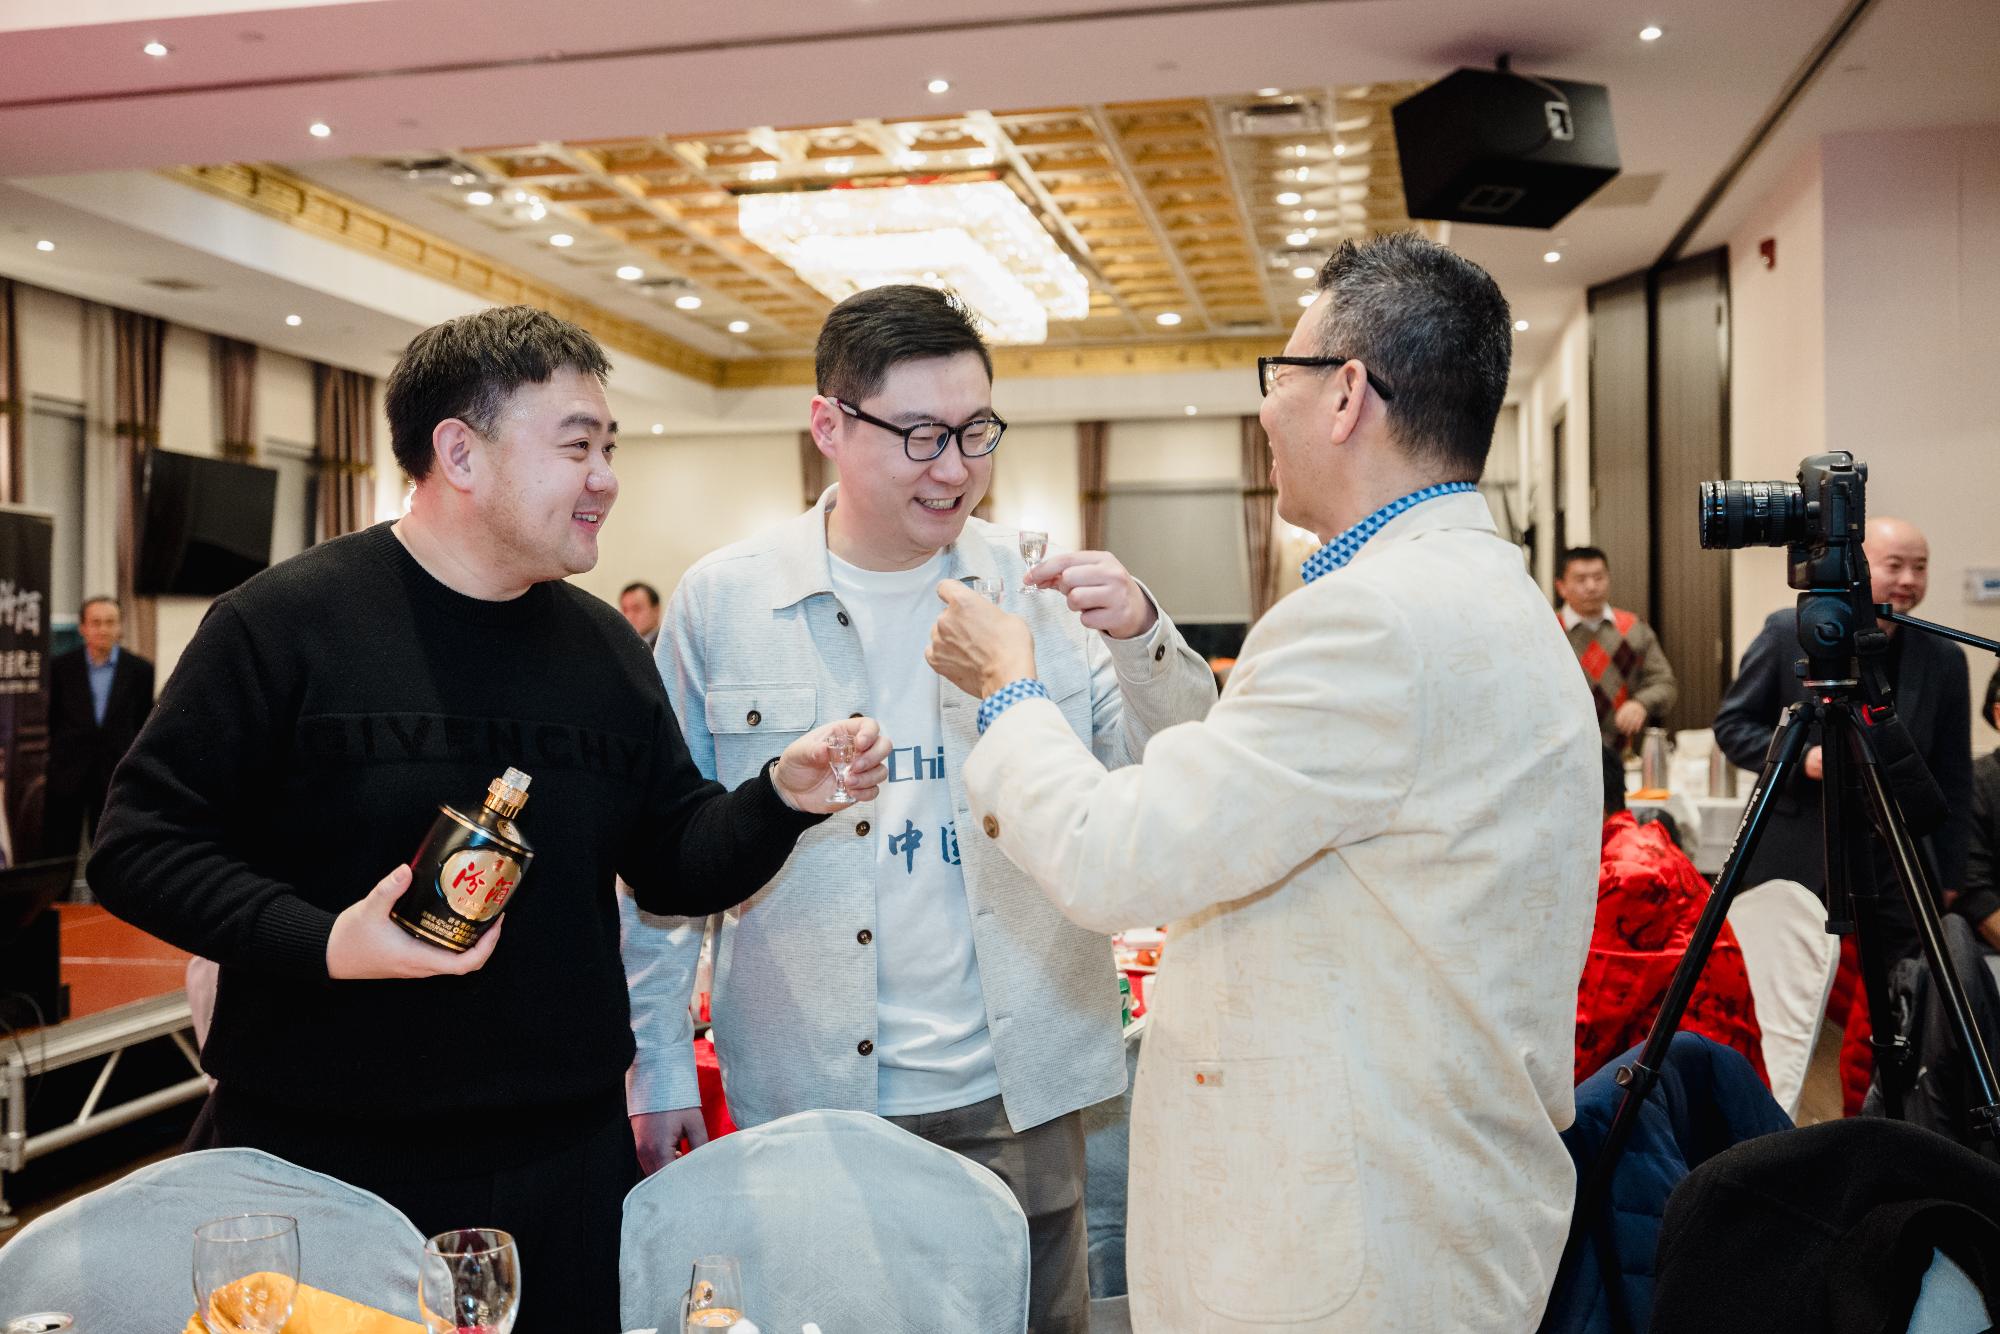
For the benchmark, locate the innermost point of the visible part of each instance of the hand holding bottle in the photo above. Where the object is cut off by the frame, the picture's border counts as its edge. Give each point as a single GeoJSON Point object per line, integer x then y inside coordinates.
{"type": "Point", "coordinates": [366, 942]}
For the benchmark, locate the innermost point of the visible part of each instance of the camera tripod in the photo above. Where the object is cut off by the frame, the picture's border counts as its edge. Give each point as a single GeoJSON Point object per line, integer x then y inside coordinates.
{"type": "Point", "coordinates": [1869, 764]}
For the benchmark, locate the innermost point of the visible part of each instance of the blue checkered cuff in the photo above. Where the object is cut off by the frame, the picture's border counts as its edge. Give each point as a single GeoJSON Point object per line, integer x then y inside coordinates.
{"type": "Point", "coordinates": [1006, 697]}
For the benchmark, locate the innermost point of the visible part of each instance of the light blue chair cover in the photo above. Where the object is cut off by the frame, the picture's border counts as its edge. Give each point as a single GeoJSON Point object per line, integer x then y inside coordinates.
{"type": "Point", "coordinates": [837, 1218]}
{"type": "Point", "coordinates": [120, 1258]}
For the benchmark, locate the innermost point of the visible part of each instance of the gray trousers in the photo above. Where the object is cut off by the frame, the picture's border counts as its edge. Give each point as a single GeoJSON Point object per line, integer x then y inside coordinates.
{"type": "Point", "coordinates": [1043, 1166]}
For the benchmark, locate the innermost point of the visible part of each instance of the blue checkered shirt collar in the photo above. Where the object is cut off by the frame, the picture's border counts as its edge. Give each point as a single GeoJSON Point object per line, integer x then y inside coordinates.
{"type": "Point", "coordinates": [1348, 545]}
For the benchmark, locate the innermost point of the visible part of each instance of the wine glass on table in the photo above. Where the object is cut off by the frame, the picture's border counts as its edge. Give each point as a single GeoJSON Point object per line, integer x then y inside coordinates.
{"type": "Point", "coordinates": [1034, 546]}
{"type": "Point", "coordinates": [840, 758]}
{"type": "Point", "coordinates": [714, 1297]}
{"type": "Point", "coordinates": [246, 1272]}
{"type": "Point", "coordinates": [470, 1282]}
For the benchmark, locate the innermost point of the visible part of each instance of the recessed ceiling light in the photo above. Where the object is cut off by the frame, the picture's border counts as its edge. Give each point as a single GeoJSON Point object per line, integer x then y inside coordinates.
{"type": "Point", "coordinates": [45, 245]}
{"type": "Point", "coordinates": [939, 86]}
{"type": "Point", "coordinates": [1305, 298]}
{"type": "Point", "coordinates": [687, 302]}
{"type": "Point", "coordinates": [294, 321]}
{"type": "Point", "coordinates": [631, 272]}
{"type": "Point", "coordinates": [1298, 150]}
{"type": "Point", "coordinates": [561, 240]}
{"type": "Point", "coordinates": [1190, 409]}
{"type": "Point", "coordinates": [1310, 215]}
{"type": "Point", "coordinates": [739, 326]}
{"type": "Point", "coordinates": [1520, 326]}
{"type": "Point", "coordinates": [156, 49]}
{"type": "Point", "coordinates": [319, 129]}
{"type": "Point", "coordinates": [1269, 92]}
{"type": "Point", "coordinates": [1304, 271]}
{"type": "Point", "coordinates": [1552, 257]}
{"type": "Point", "coordinates": [659, 429]}
{"type": "Point", "coordinates": [1303, 174]}
{"type": "Point", "coordinates": [479, 198]}
{"type": "Point", "coordinates": [1297, 239]}
{"type": "Point", "coordinates": [1340, 150]}
{"type": "Point", "coordinates": [1168, 318]}
{"type": "Point", "coordinates": [1651, 33]}
{"type": "Point", "coordinates": [1289, 198]}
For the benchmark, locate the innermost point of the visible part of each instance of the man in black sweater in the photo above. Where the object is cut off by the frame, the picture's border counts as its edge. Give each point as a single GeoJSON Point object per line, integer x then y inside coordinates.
{"type": "Point", "coordinates": [300, 751]}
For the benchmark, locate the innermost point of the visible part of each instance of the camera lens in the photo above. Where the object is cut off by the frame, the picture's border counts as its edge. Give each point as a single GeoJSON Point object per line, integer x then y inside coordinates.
{"type": "Point", "coordinates": [1751, 514]}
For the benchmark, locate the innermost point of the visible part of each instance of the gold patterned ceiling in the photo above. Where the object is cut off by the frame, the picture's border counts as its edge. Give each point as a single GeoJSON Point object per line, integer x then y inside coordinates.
{"type": "Point", "coordinates": [1190, 218]}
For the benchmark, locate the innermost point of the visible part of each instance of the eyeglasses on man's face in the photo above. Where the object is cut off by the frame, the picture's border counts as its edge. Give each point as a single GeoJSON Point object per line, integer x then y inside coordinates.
{"type": "Point", "coordinates": [1267, 368]}
{"type": "Point", "coordinates": [924, 441]}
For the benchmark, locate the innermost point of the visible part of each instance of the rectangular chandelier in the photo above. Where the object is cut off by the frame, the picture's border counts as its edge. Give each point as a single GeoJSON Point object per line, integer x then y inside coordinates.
{"type": "Point", "coordinates": [974, 238]}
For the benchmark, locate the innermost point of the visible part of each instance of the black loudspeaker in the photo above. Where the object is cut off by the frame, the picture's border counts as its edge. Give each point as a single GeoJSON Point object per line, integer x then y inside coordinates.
{"type": "Point", "coordinates": [1496, 147]}
{"type": "Point", "coordinates": [31, 989]}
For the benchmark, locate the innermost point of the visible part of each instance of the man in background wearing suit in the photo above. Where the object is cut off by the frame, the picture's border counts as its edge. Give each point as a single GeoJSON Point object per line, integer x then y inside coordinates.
{"type": "Point", "coordinates": [99, 696]}
{"type": "Point", "coordinates": [1933, 699]}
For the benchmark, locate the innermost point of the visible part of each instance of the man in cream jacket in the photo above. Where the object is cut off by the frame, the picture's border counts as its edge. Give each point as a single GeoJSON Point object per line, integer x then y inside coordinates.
{"type": "Point", "coordinates": [1378, 854]}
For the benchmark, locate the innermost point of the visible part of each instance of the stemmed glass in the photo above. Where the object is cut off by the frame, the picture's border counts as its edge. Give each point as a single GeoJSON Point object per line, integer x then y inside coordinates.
{"type": "Point", "coordinates": [246, 1273]}
{"type": "Point", "coordinates": [714, 1297]}
{"type": "Point", "coordinates": [470, 1282]}
{"type": "Point", "coordinates": [840, 758]}
{"type": "Point", "coordinates": [989, 589]}
{"type": "Point", "coordinates": [1034, 546]}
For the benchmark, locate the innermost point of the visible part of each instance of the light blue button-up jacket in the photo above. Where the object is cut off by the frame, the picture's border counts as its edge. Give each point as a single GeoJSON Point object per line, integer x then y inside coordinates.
{"type": "Point", "coordinates": [757, 650]}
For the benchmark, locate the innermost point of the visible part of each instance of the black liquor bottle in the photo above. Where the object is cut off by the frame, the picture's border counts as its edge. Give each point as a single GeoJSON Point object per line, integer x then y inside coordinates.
{"type": "Point", "coordinates": [467, 868]}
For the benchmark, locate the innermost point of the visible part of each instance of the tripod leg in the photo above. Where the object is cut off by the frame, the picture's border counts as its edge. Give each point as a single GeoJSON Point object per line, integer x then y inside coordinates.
{"type": "Point", "coordinates": [1852, 894]}
{"type": "Point", "coordinates": [1921, 898]}
{"type": "Point", "coordinates": [1788, 743]}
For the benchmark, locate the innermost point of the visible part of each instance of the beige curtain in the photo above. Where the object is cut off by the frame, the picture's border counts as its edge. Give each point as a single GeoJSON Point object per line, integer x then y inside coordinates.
{"type": "Point", "coordinates": [344, 448]}
{"type": "Point", "coordinates": [236, 389]}
{"type": "Point", "coordinates": [1260, 517]}
{"type": "Point", "coordinates": [137, 342]}
{"type": "Point", "coordinates": [1092, 439]}
{"type": "Point", "coordinates": [13, 402]}
{"type": "Point", "coordinates": [812, 469]}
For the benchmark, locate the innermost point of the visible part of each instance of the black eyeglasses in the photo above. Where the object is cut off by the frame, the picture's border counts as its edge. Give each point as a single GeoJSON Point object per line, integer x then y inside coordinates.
{"type": "Point", "coordinates": [1265, 365]}
{"type": "Point", "coordinates": [926, 440]}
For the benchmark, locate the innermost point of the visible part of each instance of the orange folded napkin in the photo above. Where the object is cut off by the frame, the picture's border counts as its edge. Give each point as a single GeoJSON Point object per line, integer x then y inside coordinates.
{"type": "Point", "coordinates": [1650, 794]}
{"type": "Point", "coordinates": [316, 1312]}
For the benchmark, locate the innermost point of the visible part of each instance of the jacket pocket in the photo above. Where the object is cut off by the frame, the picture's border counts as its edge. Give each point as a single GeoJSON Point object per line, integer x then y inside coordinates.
{"type": "Point", "coordinates": [1263, 1182]}
{"type": "Point", "coordinates": [752, 724]}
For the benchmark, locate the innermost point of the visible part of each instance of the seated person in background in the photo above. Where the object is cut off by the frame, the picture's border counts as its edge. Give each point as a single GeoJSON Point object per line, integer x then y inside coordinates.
{"type": "Point", "coordinates": [1631, 682]}
{"type": "Point", "coordinates": [1648, 898]}
{"type": "Point", "coordinates": [1980, 901]}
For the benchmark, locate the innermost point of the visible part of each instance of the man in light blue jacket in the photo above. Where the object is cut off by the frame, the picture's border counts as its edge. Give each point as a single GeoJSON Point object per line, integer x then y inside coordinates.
{"type": "Point", "coordinates": [892, 966]}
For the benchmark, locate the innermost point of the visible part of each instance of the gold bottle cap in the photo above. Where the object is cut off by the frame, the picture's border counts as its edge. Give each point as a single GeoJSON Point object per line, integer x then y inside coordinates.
{"type": "Point", "coordinates": [507, 794]}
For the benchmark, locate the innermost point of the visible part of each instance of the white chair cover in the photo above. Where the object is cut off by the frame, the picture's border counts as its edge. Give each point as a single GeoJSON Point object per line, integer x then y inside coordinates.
{"type": "Point", "coordinates": [120, 1259]}
{"type": "Point", "coordinates": [837, 1218]}
{"type": "Point", "coordinates": [1791, 961]}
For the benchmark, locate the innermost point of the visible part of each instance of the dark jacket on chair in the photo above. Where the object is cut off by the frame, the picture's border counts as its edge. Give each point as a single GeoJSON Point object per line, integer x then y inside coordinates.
{"type": "Point", "coordinates": [82, 751]}
{"type": "Point", "coordinates": [1932, 699]}
{"type": "Point", "coordinates": [1828, 1228]}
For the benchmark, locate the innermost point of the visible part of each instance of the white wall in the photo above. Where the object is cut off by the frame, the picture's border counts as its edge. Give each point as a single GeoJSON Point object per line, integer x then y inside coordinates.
{"type": "Point", "coordinates": [1777, 369]}
{"type": "Point", "coordinates": [1560, 388]}
{"type": "Point", "coordinates": [1035, 484]}
{"type": "Point", "coordinates": [51, 330]}
{"type": "Point", "coordinates": [1912, 228]}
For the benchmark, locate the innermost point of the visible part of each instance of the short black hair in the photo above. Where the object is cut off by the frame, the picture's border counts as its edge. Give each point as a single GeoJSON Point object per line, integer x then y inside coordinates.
{"type": "Point", "coordinates": [882, 327]}
{"type": "Point", "coordinates": [652, 593]}
{"type": "Point", "coordinates": [105, 598]}
{"type": "Point", "coordinates": [468, 367]}
{"type": "Point", "coordinates": [1571, 555]}
{"type": "Point", "coordinates": [1434, 327]}
{"type": "Point", "coordinates": [1614, 782]}
{"type": "Point", "coordinates": [1992, 697]}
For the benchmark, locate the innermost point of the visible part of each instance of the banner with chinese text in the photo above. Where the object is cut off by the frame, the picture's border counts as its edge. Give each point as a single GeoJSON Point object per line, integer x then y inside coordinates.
{"type": "Point", "coordinates": [27, 540]}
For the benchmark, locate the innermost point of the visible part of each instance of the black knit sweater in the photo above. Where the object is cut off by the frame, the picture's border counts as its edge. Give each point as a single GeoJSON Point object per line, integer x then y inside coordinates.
{"type": "Point", "coordinates": [301, 749]}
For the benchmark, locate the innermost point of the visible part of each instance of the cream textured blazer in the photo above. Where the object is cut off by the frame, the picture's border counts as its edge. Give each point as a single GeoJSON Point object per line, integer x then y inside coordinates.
{"type": "Point", "coordinates": [1378, 856]}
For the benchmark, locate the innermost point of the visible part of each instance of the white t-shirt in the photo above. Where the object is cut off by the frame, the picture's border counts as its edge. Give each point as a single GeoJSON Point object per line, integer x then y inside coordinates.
{"type": "Point", "coordinates": [932, 1050]}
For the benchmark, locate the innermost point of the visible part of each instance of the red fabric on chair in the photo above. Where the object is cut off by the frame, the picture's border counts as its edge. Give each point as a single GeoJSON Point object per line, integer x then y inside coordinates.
{"type": "Point", "coordinates": [1649, 897]}
{"type": "Point", "coordinates": [714, 1108]}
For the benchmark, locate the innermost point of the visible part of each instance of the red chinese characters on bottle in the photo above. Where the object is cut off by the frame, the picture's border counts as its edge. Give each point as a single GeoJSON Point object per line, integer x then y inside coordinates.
{"type": "Point", "coordinates": [467, 868]}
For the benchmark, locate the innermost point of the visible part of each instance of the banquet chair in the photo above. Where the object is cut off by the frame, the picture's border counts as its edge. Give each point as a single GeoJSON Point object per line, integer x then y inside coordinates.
{"type": "Point", "coordinates": [1781, 928]}
{"type": "Point", "coordinates": [837, 1218]}
{"type": "Point", "coordinates": [120, 1258]}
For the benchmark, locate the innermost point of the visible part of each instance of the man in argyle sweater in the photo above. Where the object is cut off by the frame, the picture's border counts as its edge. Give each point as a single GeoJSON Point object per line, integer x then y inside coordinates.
{"type": "Point", "coordinates": [1630, 680]}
